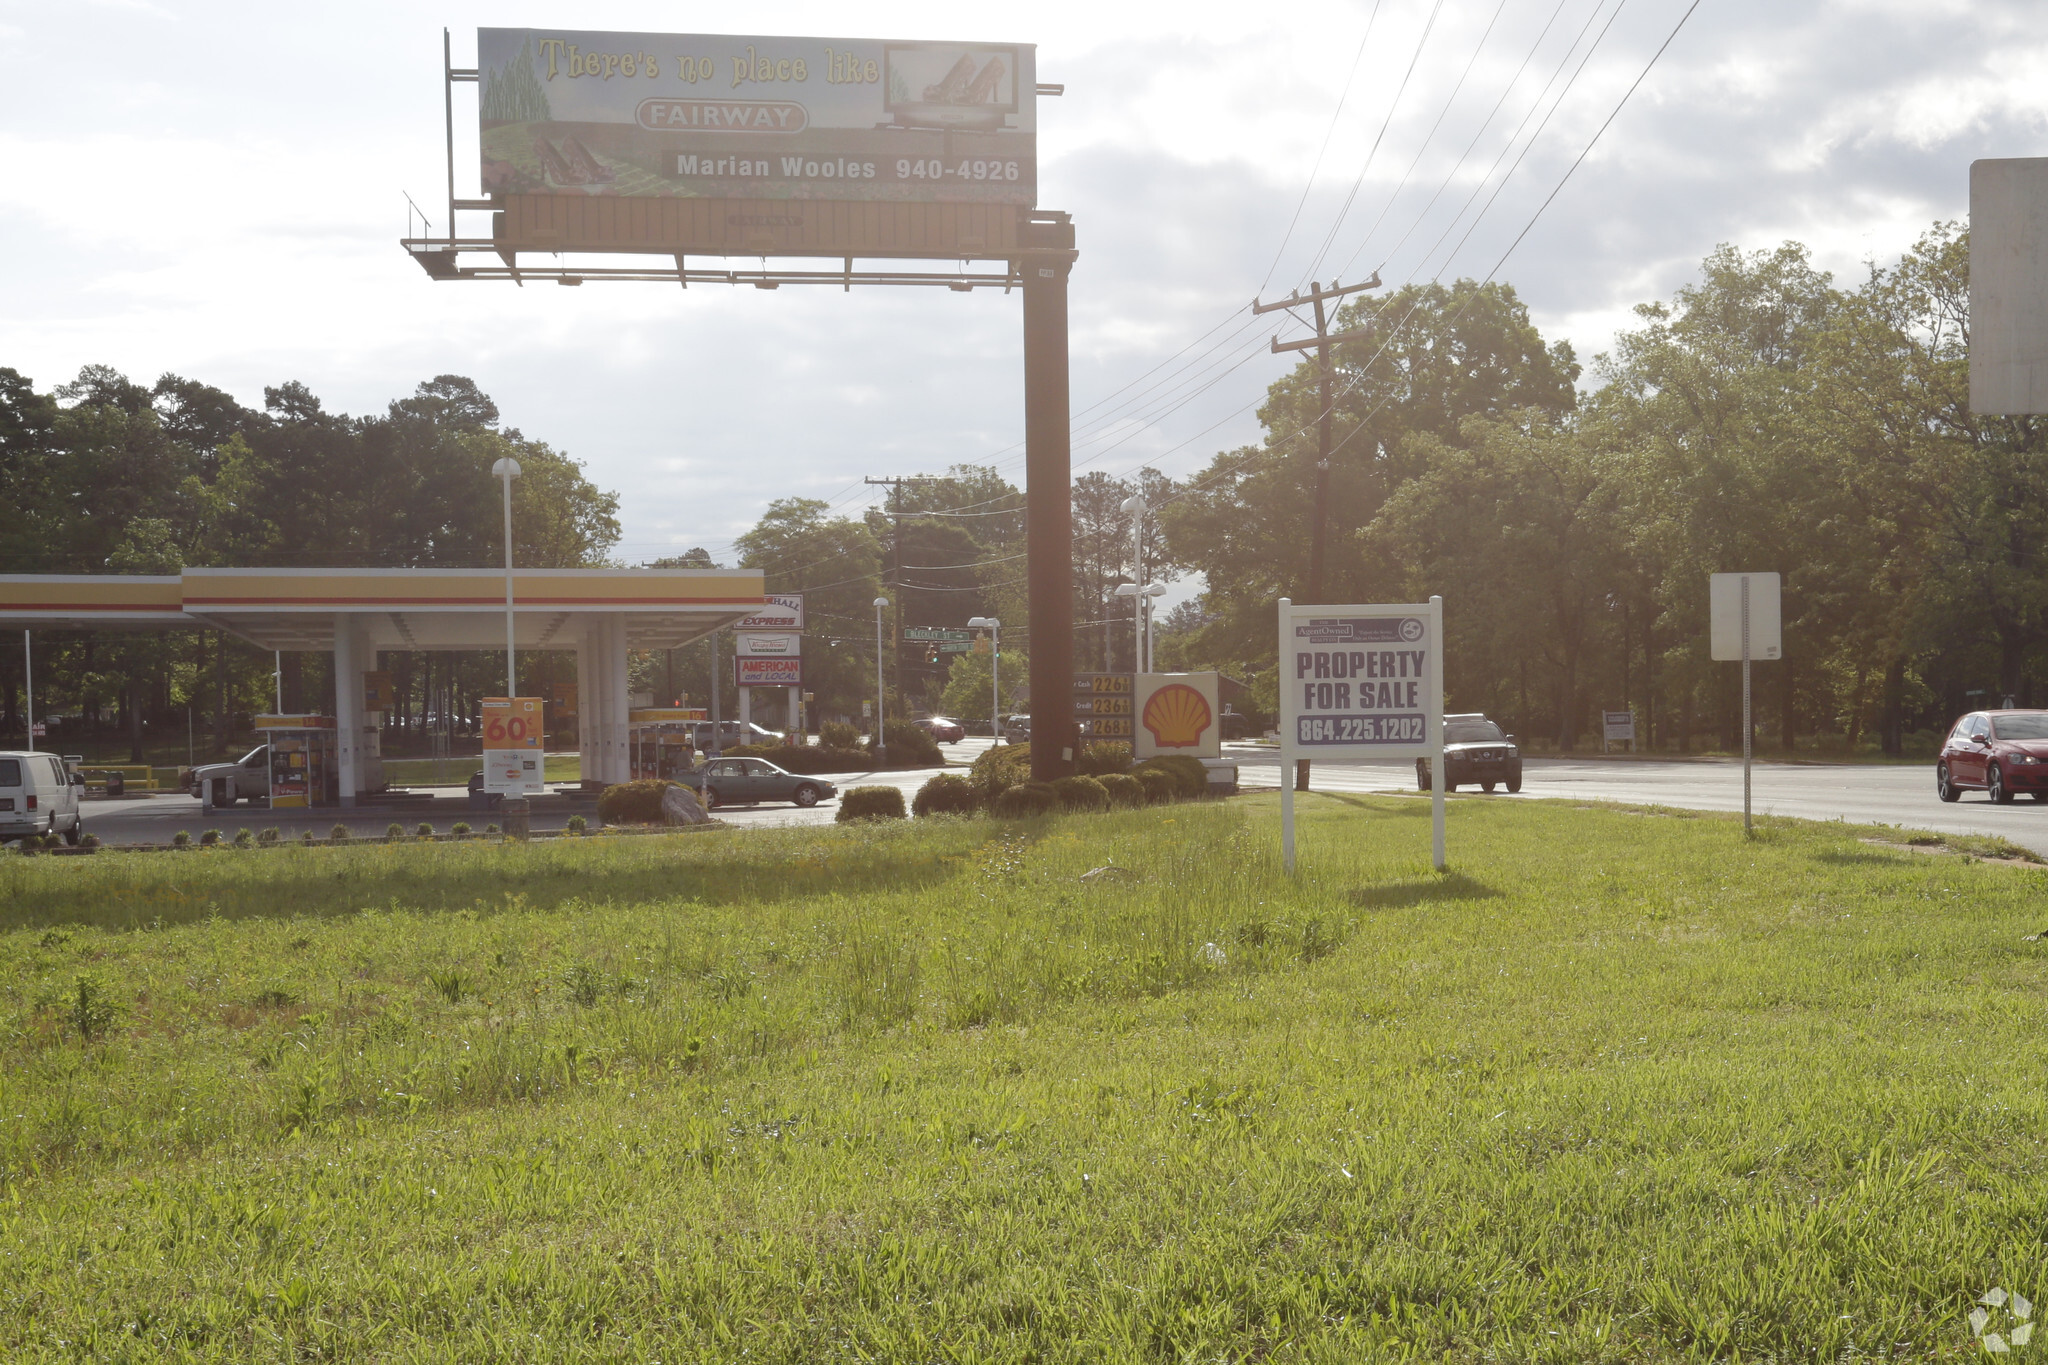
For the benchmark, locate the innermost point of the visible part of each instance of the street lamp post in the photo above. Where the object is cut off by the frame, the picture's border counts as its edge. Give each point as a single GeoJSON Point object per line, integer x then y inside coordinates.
{"type": "Point", "coordinates": [881, 734]}
{"type": "Point", "coordinates": [507, 469]}
{"type": "Point", "coordinates": [995, 673]}
{"type": "Point", "coordinates": [1141, 598]}
{"type": "Point", "coordinates": [1134, 507]}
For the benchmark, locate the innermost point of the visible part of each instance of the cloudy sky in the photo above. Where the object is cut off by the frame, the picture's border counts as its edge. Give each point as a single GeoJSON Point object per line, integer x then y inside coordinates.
{"type": "Point", "coordinates": [218, 189]}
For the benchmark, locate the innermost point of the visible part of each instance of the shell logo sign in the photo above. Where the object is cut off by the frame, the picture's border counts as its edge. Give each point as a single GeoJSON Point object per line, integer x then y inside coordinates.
{"type": "Point", "coordinates": [1177, 715]}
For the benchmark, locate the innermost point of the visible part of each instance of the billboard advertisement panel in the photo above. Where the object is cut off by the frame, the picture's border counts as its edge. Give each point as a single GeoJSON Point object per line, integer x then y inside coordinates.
{"type": "Point", "coordinates": [703, 116]}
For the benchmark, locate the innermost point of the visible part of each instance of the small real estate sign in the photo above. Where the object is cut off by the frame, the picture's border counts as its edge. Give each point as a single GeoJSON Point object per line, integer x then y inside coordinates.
{"type": "Point", "coordinates": [1362, 683]}
{"type": "Point", "coordinates": [706, 116]}
{"type": "Point", "coordinates": [1617, 726]}
{"type": "Point", "coordinates": [514, 764]}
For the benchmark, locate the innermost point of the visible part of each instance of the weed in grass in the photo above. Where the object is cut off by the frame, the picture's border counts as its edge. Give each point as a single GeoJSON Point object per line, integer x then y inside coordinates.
{"type": "Point", "coordinates": [91, 1012]}
{"type": "Point", "coordinates": [451, 985]}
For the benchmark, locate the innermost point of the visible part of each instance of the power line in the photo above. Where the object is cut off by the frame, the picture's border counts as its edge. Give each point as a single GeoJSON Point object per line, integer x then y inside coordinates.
{"type": "Point", "coordinates": [1313, 170]}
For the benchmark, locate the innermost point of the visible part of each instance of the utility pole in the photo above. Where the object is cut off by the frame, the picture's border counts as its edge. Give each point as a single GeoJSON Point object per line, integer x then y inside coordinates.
{"type": "Point", "coordinates": [895, 583]}
{"type": "Point", "coordinates": [1322, 343]}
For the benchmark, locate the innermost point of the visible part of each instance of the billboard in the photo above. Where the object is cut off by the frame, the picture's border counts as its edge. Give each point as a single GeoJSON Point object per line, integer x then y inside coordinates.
{"type": "Point", "coordinates": [703, 116]}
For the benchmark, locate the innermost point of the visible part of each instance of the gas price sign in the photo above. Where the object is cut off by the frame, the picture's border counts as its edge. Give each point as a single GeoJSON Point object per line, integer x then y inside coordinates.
{"type": "Point", "coordinates": [514, 763]}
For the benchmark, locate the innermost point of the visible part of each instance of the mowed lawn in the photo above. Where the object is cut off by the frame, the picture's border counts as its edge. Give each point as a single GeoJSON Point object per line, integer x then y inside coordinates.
{"type": "Point", "coordinates": [1622, 1086]}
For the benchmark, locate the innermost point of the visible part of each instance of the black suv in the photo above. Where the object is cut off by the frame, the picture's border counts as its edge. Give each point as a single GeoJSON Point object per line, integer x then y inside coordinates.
{"type": "Point", "coordinates": [1475, 750]}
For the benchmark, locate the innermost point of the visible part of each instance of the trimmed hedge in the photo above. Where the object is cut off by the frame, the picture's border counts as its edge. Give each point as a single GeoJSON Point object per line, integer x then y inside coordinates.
{"type": "Point", "coordinates": [1000, 767]}
{"type": "Point", "coordinates": [807, 759]}
{"type": "Point", "coordinates": [1081, 793]}
{"type": "Point", "coordinates": [1102, 756]}
{"type": "Point", "coordinates": [946, 794]}
{"type": "Point", "coordinates": [1189, 773]}
{"type": "Point", "coordinates": [1123, 789]}
{"type": "Point", "coordinates": [837, 734]}
{"type": "Point", "coordinates": [870, 803]}
{"type": "Point", "coordinates": [1025, 801]}
{"type": "Point", "coordinates": [910, 747]}
{"type": "Point", "coordinates": [1160, 786]}
{"type": "Point", "coordinates": [633, 803]}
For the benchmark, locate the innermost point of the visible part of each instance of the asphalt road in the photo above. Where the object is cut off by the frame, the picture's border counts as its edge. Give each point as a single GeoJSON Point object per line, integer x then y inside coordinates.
{"type": "Point", "coordinates": [1881, 794]}
{"type": "Point", "coordinates": [1861, 793]}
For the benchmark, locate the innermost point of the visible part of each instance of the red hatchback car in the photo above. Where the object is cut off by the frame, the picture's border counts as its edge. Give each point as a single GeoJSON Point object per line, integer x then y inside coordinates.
{"type": "Point", "coordinates": [2001, 753]}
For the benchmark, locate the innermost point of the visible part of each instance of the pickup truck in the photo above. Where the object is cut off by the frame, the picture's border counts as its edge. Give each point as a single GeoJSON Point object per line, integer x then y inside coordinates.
{"type": "Point", "coordinates": [219, 785]}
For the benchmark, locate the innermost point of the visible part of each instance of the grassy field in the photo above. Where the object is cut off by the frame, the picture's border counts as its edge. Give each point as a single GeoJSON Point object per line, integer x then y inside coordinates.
{"type": "Point", "coordinates": [1621, 1087]}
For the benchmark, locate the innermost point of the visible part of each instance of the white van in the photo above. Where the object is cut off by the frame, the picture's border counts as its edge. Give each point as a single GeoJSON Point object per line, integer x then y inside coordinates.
{"type": "Point", "coordinates": [38, 796]}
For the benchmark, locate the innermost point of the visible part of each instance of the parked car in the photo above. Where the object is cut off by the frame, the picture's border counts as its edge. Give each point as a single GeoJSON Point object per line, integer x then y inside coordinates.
{"type": "Point", "coordinates": [941, 729]}
{"type": "Point", "coordinates": [1017, 730]}
{"type": "Point", "coordinates": [1475, 750]}
{"type": "Point", "coordinates": [39, 796]}
{"type": "Point", "coordinates": [1236, 725]}
{"type": "Point", "coordinates": [746, 781]}
{"type": "Point", "coordinates": [2000, 753]}
{"type": "Point", "coordinates": [220, 785]}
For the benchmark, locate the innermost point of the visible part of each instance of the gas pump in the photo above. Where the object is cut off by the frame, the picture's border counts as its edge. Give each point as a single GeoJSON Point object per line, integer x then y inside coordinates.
{"type": "Point", "coordinates": [303, 767]}
{"type": "Point", "coordinates": [658, 740]}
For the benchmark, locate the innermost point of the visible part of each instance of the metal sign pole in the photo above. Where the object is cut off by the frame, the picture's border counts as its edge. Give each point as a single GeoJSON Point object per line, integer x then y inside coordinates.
{"type": "Point", "coordinates": [1286, 754]}
{"type": "Point", "coordinates": [28, 677]}
{"type": "Point", "coordinates": [1436, 730]}
{"type": "Point", "coordinates": [1746, 829]}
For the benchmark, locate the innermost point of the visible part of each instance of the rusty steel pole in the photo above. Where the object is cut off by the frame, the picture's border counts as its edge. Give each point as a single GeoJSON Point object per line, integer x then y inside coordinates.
{"type": "Point", "coordinates": [1045, 259]}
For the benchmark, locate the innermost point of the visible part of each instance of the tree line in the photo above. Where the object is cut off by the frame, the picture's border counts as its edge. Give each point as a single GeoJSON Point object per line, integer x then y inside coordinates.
{"type": "Point", "coordinates": [1764, 418]}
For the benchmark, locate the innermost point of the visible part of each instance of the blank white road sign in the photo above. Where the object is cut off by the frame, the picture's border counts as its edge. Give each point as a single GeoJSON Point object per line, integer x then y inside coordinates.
{"type": "Point", "coordinates": [1724, 611]}
{"type": "Point", "coordinates": [2009, 285]}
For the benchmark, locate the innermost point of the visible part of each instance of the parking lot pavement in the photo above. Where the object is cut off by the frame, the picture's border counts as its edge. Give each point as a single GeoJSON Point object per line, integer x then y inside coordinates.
{"type": "Point", "coordinates": [1899, 794]}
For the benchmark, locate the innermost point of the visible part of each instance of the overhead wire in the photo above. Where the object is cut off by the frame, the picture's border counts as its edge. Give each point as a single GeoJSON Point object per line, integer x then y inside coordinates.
{"type": "Point", "coordinates": [1275, 447]}
{"type": "Point", "coordinates": [1322, 151]}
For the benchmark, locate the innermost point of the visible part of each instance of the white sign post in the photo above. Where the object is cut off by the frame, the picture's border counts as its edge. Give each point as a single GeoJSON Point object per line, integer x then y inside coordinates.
{"type": "Point", "coordinates": [1362, 682]}
{"type": "Point", "coordinates": [1744, 623]}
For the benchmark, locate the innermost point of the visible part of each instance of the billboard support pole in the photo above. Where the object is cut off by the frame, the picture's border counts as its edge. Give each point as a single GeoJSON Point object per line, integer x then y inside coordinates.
{"type": "Point", "coordinates": [1286, 751]}
{"type": "Point", "coordinates": [1048, 255]}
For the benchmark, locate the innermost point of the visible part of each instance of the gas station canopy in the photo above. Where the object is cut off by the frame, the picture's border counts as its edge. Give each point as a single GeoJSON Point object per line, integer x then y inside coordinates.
{"type": "Point", "coordinates": [601, 614]}
{"type": "Point", "coordinates": [300, 609]}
